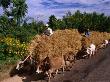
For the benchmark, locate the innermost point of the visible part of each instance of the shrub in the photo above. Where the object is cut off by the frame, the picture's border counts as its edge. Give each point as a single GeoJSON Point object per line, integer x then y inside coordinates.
{"type": "Point", "coordinates": [11, 50]}
{"type": "Point", "coordinates": [14, 47]}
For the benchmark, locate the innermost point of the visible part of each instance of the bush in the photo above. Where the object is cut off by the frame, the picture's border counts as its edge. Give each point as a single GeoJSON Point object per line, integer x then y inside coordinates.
{"type": "Point", "coordinates": [11, 50]}
{"type": "Point", "coordinates": [14, 47]}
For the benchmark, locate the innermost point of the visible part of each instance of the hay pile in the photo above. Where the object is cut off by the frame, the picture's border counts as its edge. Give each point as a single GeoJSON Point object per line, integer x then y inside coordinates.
{"type": "Point", "coordinates": [96, 38]}
{"type": "Point", "coordinates": [60, 43]}
{"type": "Point", "coordinates": [63, 42]}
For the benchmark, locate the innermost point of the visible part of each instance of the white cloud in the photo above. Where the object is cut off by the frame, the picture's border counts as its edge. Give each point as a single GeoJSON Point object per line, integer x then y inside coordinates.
{"type": "Point", "coordinates": [80, 1]}
{"type": "Point", "coordinates": [42, 9]}
{"type": "Point", "coordinates": [39, 11]}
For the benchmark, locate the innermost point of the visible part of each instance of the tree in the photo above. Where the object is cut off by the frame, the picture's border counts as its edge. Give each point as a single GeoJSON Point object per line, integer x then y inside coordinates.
{"type": "Point", "coordinates": [4, 23]}
{"type": "Point", "coordinates": [68, 14]}
{"type": "Point", "coordinates": [61, 24]}
{"type": "Point", "coordinates": [52, 22]}
{"type": "Point", "coordinates": [5, 4]}
{"type": "Point", "coordinates": [19, 10]}
{"type": "Point", "coordinates": [40, 27]}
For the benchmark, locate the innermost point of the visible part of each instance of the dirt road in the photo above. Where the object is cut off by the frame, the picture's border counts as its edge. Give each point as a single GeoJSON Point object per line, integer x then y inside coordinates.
{"type": "Point", "coordinates": [94, 69]}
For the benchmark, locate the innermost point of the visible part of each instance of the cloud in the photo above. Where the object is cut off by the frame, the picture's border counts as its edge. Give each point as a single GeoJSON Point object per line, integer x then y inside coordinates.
{"type": "Point", "coordinates": [42, 9]}
{"type": "Point", "coordinates": [88, 2]}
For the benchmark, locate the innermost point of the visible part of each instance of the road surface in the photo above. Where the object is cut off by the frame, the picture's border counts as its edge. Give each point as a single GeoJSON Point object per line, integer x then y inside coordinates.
{"type": "Point", "coordinates": [94, 69]}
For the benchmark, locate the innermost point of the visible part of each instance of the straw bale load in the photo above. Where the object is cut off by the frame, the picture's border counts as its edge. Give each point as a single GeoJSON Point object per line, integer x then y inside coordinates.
{"type": "Point", "coordinates": [60, 43]}
{"type": "Point", "coordinates": [96, 38]}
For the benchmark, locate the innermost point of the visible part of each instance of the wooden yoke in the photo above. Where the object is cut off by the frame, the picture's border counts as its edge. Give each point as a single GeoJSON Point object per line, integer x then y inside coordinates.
{"type": "Point", "coordinates": [27, 58]}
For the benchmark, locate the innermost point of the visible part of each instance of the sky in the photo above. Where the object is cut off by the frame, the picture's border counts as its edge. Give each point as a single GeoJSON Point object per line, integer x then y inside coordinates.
{"type": "Point", "coordinates": [42, 9]}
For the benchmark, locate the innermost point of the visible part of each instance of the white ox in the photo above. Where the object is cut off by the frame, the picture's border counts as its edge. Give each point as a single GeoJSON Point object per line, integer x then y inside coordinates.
{"type": "Point", "coordinates": [48, 31]}
{"type": "Point", "coordinates": [91, 49]}
{"type": "Point", "coordinates": [105, 43]}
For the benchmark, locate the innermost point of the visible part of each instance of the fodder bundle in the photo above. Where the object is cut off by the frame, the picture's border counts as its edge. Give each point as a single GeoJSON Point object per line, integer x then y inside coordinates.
{"type": "Point", "coordinates": [60, 43]}
{"type": "Point", "coordinates": [96, 38]}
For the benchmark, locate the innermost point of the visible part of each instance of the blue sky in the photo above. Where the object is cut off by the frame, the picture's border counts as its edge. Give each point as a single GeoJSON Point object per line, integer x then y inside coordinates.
{"type": "Point", "coordinates": [42, 9]}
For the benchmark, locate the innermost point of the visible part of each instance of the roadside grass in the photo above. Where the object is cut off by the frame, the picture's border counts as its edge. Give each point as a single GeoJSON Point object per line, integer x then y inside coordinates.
{"type": "Point", "coordinates": [6, 65]}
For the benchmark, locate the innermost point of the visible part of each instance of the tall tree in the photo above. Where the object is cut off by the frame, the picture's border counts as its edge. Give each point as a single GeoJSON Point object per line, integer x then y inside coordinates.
{"type": "Point", "coordinates": [5, 4]}
{"type": "Point", "coordinates": [52, 22]}
{"type": "Point", "coordinates": [19, 10]}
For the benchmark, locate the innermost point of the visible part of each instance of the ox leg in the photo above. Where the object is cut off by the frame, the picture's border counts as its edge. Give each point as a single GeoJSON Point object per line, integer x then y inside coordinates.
{"type": "Point", "coordinates": [49, 76]}
{"type": "Point", "coordinates": [63, 68]}
{"type": "Point", "coordinates": [74, 59]}
{"type": "Point", "coordinates": [49, 73]}
{"type": "Point", "coordinates": [90, 55]}
{"type": "Point", "coordinates": [56, 71]}
{"type": "Point", "coordinates": [48, 79]}
{"type": "Point", "coordinates": [93, 52]}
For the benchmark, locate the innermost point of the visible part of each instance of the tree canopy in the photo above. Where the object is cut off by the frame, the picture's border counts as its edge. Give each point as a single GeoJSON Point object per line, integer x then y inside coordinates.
{"type": "Point", "coordinates": [81, 21]}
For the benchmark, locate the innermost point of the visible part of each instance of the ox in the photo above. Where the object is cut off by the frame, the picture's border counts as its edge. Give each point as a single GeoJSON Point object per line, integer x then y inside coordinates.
{"type": "Point", "coordinates": [50, 65]}
{"type": "Point", "coordinates": [86, 52]}
{"type": "Point", "coordinates": [69, 59]}
{"type": "Point", "coordinates": [27, 65]}
{"type": "Point", "coordinates": [91, 50]}
{"type": "Point", "coordinates": [82, 54]}
{"type": "Point", "coordinates": [105, 43]}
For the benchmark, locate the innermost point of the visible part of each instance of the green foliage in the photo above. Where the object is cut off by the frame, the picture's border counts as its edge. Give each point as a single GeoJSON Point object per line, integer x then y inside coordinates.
{"type": "Point", "coordinates": [3, 47]}
{"type": "Point", "coordinates": [11, 50]}
{"type": "Point", "coordinates": [16, 32]}
{"type": "Point", "coordinates": [81, 21]}
{"type": "Point", "coordinates": [61, 24]}
{"type": "Point", "coordinates": [5, 3]}
{"type": "Point", "coordinates": [20, 9]}
{"type": "Point", "coordinates": [36, 26]}
{"type": "Point", "coordinates": [10, 47]}
{"type": "Point", "coordinates": [52, 22]}
{"type": "Point", "coordinates": [24, 33]}
{"type": "Point", "coordinates": [17, 10]}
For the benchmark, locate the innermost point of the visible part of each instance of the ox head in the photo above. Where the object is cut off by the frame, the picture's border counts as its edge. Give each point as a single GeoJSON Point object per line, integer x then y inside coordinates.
{"type": "Point", "coordinates": [23, 64]}
{"type": "Point", "coordinates": [20, 65]}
